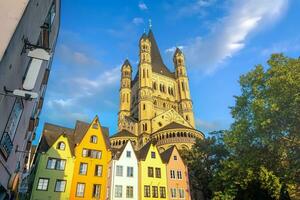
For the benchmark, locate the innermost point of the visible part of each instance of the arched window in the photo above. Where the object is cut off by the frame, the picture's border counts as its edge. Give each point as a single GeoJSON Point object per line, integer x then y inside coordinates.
{"type": "Point", "coordinates": [61, 146]}
{"type": "Point", "coordinates": [154, 85]}
{"type": "Point", "coordinates": [94, 139]}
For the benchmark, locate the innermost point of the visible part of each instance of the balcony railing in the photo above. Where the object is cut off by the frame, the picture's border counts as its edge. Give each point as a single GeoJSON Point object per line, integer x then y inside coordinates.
{"type": "Point", "coordinates": [6, 145]}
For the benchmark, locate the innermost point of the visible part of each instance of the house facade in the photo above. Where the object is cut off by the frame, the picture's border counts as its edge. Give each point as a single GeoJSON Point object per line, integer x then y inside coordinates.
{"type": "Point", "coordinates": [54, 171]}
{"type": "Point", "coordinates": [152, 174]}
{"type": "Point", "coordinates": [124, 174]}
{"type": "Point", "coordinates": [177, 175]}
{"type": "Point", "coordinates": [91, 164]}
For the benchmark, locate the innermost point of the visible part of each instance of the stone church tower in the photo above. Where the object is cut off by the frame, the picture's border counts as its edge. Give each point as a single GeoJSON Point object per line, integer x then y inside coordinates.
{"type": "Point", "coordinates": [156, 104]}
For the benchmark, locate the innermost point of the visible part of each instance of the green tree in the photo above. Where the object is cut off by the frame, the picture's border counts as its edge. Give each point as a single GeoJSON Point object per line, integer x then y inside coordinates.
{"type": "Point", "coordinates": [203, 160]}
{"type": "Point", "coordinates": [265, 135]}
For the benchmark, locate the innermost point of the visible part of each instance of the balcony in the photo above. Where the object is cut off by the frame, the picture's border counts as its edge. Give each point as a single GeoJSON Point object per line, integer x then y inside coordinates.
{"type": "Point", "coordinates": [6, 145]}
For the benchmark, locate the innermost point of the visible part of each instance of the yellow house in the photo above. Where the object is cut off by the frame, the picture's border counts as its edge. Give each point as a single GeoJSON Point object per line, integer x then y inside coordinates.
{"type": "Point", "coordinates": [91, 163]}
{"type": "Point", "coordinates": [152, 174]}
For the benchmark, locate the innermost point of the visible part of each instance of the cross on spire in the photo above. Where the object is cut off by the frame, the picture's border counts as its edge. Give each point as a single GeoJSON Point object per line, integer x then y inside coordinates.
{"type": "Point", "coordinates": [150, 24]}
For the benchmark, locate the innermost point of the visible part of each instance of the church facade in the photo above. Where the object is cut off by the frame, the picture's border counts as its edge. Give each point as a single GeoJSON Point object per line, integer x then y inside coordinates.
{"type": "Point", "coordinates": [155, 104]}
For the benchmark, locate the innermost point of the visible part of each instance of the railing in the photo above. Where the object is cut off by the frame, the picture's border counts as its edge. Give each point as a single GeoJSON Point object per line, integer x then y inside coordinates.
{"type": "Point", "coordinates": [6, 145]}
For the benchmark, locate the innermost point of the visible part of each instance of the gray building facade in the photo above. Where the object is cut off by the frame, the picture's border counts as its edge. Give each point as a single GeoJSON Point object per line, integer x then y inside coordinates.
{"type": "Point", "coordinates": [28, 34]}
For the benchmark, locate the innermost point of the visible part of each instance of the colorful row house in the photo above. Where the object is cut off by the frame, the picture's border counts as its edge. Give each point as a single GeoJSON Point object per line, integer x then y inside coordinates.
{"type": "Point", "coordinates": [72, 163]}
{"type": "Point", "coordinates": [78, 164]}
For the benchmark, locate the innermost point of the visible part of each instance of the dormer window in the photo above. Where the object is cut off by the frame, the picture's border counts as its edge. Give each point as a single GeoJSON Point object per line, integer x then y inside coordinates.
{"type": "Point", "coordinates": [61, 146]}
{"type": "Point", "coordinates": [94, 139]}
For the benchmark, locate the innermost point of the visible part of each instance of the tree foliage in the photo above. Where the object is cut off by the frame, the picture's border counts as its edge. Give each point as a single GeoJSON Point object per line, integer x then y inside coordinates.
{"type": "Point", "coordinates": [263, 142]}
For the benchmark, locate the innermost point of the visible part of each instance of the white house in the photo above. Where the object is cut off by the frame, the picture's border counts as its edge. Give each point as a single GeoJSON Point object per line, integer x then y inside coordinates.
{"type": "Point", "coordinates": [124, 174]}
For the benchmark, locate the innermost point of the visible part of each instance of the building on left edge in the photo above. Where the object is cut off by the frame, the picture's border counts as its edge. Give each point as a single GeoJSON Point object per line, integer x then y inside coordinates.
{"type": "Point", "coordinates": [29, 30]}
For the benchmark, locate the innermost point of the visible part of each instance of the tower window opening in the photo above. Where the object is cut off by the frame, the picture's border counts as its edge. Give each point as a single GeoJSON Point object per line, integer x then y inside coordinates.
{"type": "Point", "coordinates": [143, 73]}
{"type": "Point", "coordinates": [144, 106]}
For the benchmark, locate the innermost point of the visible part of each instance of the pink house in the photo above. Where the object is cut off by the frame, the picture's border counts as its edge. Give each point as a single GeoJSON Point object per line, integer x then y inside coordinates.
{"type": "Point", "coordinates": [177, 175]}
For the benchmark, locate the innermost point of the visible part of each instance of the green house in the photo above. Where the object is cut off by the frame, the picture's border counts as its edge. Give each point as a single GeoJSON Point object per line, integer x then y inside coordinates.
{"type": "Point", "coordinates": [53, 167]}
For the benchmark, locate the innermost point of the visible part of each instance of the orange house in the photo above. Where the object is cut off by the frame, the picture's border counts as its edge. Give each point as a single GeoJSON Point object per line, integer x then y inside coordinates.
{"type": "Point", "coordinates": [177, 175]}
{"type": "Point", "coordinates": [92, 157]}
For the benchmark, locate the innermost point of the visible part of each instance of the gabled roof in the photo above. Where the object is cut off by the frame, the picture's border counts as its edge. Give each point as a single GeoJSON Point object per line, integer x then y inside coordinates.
{"type": "Point", "coordinates": [123, 133]}
{"type": "Point", "coordinates": [117, 153]}
{"type": "Point", "coordinates": [174, 125]}
{"type": "Point", "coordinates": [51, 133]}
{"type": "Point", "coordinates": [158, 65]}
{"type": "Point", "coordinates": [142, 153]}
{"type": "Point", "coordinates": [166, 155]}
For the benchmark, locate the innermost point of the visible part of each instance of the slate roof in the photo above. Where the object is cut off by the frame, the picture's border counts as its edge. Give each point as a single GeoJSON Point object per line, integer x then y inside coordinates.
{"type": "Point", "coordinates": [118, 152]}
{"type": "Point", "coordinates": [174, 125]}
{"type": "Point", "coordinates": [158, 65]}
{"type": "Point", "coordinates": [166, 155]}
{"type": "Point", "coordinates": [123, 133]}
{"type": "Point", "coordinates": [52, 132]}
{"type": "Point", "coordinates": [142, 153]}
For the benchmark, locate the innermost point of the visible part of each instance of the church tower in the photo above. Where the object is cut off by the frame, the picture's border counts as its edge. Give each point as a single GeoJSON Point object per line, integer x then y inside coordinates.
{"type": "Point", "coordinates": [125, 92]}
{"type": "Point", "coordinates": [185, 103]}
{"type": "Point", "coordinates": [156, 104]}
{"type": "Point", "coordinates": [145, 104]}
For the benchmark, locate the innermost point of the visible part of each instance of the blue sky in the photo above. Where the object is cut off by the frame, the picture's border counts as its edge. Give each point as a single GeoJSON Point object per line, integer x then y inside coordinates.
{"type": "Point", "coordinates": [221, 39]}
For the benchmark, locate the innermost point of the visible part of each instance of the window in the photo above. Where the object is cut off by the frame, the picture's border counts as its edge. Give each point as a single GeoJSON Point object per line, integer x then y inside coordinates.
{"type": "Point", "coordinates": [147, 191]}
{"type": "Point", "coordinates": [157, 173]}
{"type": "Point", "coordinates": [60, 164]}
{"type": "Point", "coordinates": [57, 164]}
{"type": "Point", "coordinates": [96, 191]}
{"type": "Point", "coordinates": [175, 157]}
{"type": "Point", "coordinates": [14, 118]}
{"type": "Point", "coordinates": [129, 171]}
{"type": "Point", "coordinates": [173, 192]}
{"type": "Point", "coordinates": [80, 189]}
{"type": "Point", "coordinates": [51, 163]}
{"type": "Point", "coordinates": [61, 146]}
{"type": "Point", "coordinates": [144, 106]}
{"type": "Point", "coordinates": [128, 154]}
{"type": "Point", "coordinates": [150, 172]}
{"type": "Point", "coordinates": [83, 168]}
{"type": "Point", "coordinates": [129, 192]}
{"type": "Point", "coordinates": [172, 172]}
{"type": "Point", "coordinates": [85, 152]}
{"type": "Point", "coordinates": [119, 170]}
{"type": "Point", "coordinates": [98, 170]}
{"type": "Point", "coordinates": [96, 154]}
{"type": "Point", "coordinates": [60, 185]}
{"type": "Point", "coordinates": [43, 184]}
{"type": "Point", "coordinates": [94, 139]}
{"type": "Point", "coordinates": [179, 175]}
{"type": "Point", "coordinates": [152, 154]}
{"type": "Point", "coordinates": [118, 191]}
{"type": "Point", "coordinates": [154, 191]}
{"type": "Point", "coordinates": [181, 193]}
{"type": "Point", "coordinates": [162, 191]}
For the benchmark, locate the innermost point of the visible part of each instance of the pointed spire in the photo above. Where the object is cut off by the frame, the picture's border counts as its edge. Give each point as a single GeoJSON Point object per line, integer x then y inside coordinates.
{"type": "Point", "coordinates": [126, 63]}
{"type": "Point", "coordinates": [158, 65]}
{"type": "Point", "coordinates": [177, 51]}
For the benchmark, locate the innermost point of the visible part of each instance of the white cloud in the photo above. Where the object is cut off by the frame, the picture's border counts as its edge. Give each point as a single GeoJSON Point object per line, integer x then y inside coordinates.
{"type": "Point", "coordinates": [196, 7]}
{"type": "Point", "coordinates": [143, 6]}
{"type": "Point", "coordinates": [208, 126]}
{"type": "Point", "coordinates": [137, 21]}
{"type": "Point", "coordinates": [69, 55]}
{"type": "Point", "coordinates": [172, 49]}
{"type": "Point", "coordinates": [231, 32]}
